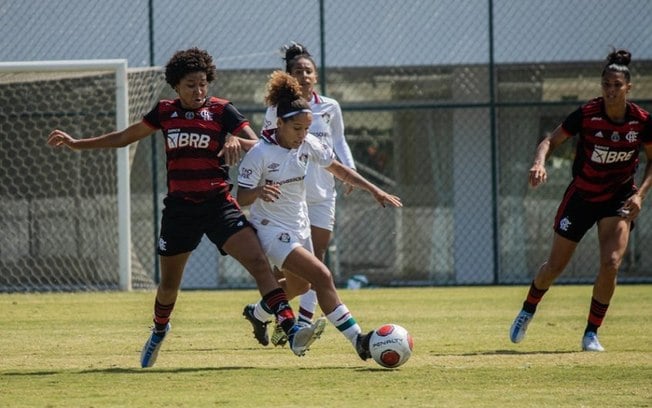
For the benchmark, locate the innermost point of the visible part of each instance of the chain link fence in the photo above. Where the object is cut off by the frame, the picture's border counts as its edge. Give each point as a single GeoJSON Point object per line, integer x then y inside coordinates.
{"type": "Point", "coordinates": [444, 102]}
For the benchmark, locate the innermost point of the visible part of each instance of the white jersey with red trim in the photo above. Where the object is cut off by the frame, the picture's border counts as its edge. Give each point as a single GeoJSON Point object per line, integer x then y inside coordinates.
{"type": "Point", "coordinates": [328, 126]}
{"type": "Point", "coordinates": [269, 163]}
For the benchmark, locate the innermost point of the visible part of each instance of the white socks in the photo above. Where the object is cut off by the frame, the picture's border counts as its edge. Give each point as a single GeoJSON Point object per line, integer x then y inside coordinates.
{"type": "Point", "coordinates": [345, 323]}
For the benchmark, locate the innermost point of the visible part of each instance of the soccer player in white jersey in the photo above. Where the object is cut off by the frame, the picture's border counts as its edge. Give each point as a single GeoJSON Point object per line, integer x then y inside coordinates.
{"type": "Point", "coordinates": [272, 179]}
{"type": "Point", "coordinates": [328, 126]}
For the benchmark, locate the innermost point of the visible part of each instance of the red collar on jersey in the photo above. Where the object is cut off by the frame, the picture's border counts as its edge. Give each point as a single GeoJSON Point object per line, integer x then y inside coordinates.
{"type": "Point", "coordinates": [269, 135]}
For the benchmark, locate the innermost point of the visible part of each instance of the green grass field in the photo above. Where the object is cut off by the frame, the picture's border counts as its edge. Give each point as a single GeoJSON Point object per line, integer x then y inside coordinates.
{"type": "Point", "coordinates": [82, 350]}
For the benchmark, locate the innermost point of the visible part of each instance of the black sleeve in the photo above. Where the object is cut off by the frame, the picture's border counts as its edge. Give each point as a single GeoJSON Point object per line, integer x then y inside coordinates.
{"type": "Point", "coordinates": [646, 136]}
{"type": "Point", "coordinates": [153, 117]}
{"type": "Point", "coordinates": [573, 122]}
{"type": "Point", "coordinates": [233, 120]}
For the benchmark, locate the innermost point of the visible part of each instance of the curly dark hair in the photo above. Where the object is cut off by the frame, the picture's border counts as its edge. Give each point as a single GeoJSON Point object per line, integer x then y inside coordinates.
{"type": "Point", "coordinates": [187, 61]}
{"type": "Point", "coordinates": [284, 92]}
{"type": "Point", "coordinates": [618, 61]}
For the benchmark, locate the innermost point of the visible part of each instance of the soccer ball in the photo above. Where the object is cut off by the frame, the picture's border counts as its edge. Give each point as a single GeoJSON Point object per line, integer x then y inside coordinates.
{"type": "Point", "coordinates": [391, 345]}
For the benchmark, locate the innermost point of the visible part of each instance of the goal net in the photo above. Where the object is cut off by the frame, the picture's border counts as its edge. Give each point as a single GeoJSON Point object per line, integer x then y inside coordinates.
{"type": "Point", "coordinates": [66, 216]}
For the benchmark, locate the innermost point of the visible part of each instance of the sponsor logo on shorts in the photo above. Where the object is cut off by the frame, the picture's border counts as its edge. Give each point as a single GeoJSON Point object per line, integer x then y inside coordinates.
{"type": "Point", "coordinates": [284, 237]}
{"type": "Point", "coordinates": [162, 245]}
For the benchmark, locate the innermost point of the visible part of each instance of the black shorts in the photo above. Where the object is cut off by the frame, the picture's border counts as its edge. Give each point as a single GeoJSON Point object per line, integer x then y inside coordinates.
{"type": "Point", "coordinates": [575, 215]}
{"type": "Point", "coordinates": [184, 223]}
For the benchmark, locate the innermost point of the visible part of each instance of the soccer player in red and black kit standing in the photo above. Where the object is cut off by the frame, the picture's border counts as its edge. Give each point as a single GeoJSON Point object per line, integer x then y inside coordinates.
{"type": "Point", "coordinates": [611, 132]}
{"type": "Point", "coordinates": [200, 141]}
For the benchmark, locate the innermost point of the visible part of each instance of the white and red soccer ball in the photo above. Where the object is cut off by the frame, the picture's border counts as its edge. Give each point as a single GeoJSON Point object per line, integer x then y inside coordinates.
{"type": "Point", "coordinates": [391, 345]}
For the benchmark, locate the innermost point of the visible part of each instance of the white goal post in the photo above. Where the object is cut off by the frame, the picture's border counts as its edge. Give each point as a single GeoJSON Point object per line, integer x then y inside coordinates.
{"type": "Point", "coordinates": [119, 67]}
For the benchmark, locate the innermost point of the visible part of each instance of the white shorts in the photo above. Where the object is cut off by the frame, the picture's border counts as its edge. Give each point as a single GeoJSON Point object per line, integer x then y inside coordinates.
{"type": "Point", "coordinates": [322, 214]}
{"type": "Point", "coordinates": [278, 243]}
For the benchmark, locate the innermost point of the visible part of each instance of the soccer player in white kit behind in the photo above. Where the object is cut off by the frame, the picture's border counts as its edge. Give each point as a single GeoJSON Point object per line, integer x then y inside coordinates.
{"type": "Point", "coordinates": [328, 126]}
{"type": "Point", "coordinates": [272, 179]}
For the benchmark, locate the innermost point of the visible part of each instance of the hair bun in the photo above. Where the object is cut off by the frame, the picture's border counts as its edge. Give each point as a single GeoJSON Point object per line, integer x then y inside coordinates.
{"type": "Point", "coordinates": [293, 50]}
{"type": "Point", "coordinates": [619, 57]}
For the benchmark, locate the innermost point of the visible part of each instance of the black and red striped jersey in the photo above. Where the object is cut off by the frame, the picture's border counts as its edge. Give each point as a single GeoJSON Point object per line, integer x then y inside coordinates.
{"type": "Point", "coordinates": [606, 155]}
{"type": "Point", "coordinates": [193, 138]}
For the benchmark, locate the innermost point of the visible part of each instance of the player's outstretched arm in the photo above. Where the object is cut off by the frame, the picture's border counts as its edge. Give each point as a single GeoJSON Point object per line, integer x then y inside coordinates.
{"type": "Point", "coordinates": [355, 179]}
{"type": "Point", "coordinates": [135, 132]}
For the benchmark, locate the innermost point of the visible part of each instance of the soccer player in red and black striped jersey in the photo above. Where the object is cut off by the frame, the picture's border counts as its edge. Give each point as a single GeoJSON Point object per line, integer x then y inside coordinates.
{"type": "Point", "coordinates": [200, 140]}
{"type": "Point", "coordinates": [611, 131]}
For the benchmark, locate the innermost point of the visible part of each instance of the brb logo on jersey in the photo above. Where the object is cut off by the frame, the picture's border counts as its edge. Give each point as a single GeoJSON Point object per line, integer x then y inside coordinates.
{"type": "Point", "coordinates": [176, 139]}
{"type": "Point", "coordinates": [602, 154]}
